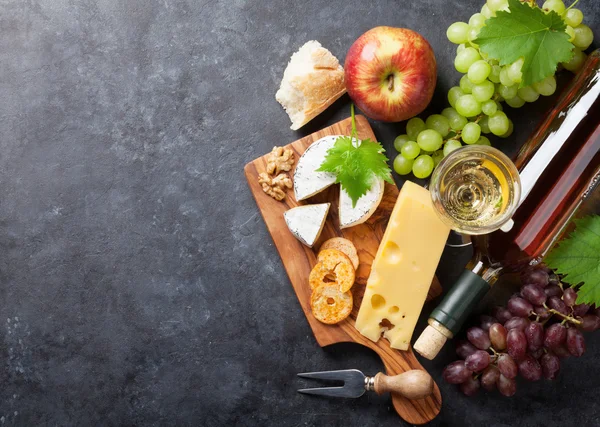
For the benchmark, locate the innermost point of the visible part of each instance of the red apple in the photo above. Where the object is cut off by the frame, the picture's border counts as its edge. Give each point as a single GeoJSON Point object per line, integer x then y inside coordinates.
{"type": "Point", "coordinates": [390, 73]}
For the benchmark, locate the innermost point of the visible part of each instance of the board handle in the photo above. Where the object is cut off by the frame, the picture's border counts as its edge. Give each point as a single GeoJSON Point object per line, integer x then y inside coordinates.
{"type": "Point", "coordinates": [396, 362]}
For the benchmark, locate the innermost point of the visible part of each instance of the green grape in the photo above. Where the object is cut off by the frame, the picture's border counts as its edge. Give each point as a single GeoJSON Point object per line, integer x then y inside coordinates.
{"type": "Point", "coordinates": [495, 73]}
{"type": "Point", "coordinates": [573, 17]}
{"type": "Point", "coordinates": [423, 166]}
{"type": "Point", "coordinates": [472, 36]}
{"type": "Point", "coordinates": [485, 11]}
{"type": "Point", "coordinates": [499, 104]}
{"type": "Point", "coordinates": [484, 91]}
{"type": "Point", "coordinates": [514, 70]}
{"type": "Point", "coordinates": [468, 106]}
{"type": "Point", "coordinates": [457, 122]}
{"type": "Point", "coordinates": [414, 126]}
{"type": "Point", "coordinates": [556, 5]}
{"type": "Point", "coordinates": [570, 32]}
{"type": "Point", "coordinates": [495, 5]}
{"type": "Point", "coordinates": [460, 48]}
{"type": "Point", "coordinates": [410, 150]}
{"type": "Point", "coordinates": [505, 79]}
{"type": "Point", "coordinates": [450, 146]}
{"type": "Point", "coordinates": [546, 87]}
{"type": "Point", "coordinates": [449, 113]}
{"type": "Point", "coordinates": [438, 123]}
{"type": "Point", "coordinates": [498, 123]}
{"type": "Point", "coordinates": [477, 21]}
{"type": "Point", "coordinates": [509, 132]}
{"type": "Point", "coordinates": [402, 165]}
{"type": "Point", "coordinates": [400, 141]}
{"type": "Point", "coordinates": [479, 72]}
{"type": "Point", "coordinates": [576, 62]}
{"type": "Point", "coordinates": [471, 133]}
{"type": "Point", "coordinates": [457, 32]}
{"type": "Point", "coordinates": [489, 107]}
{"type": "Point", "coordinates": [465, 59]}
{"type": "Point", "coordinates": [430, 140]}
{"type": "Point", "coordinates": [483, 124]}
{"type": "Point", "coordinates": [583, 37]}
{"type": "Point", "coordinates": [465, 84]}
{"type": "Point", "coordinates": [528, 94]}
{"type": "Point", "coordinates": [453, 94]}
{"type": "Point", "coordinates": [483, 141]}
{"type": "Point", "coordinates": [437, 157]}
{"type": "Point", "coordinates": [507, 92]}
{"type": "Point", "coordinates": [516, 102]}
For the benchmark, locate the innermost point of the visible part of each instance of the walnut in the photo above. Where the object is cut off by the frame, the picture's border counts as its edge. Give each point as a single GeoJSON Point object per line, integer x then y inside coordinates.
{"type": "Point", "coordinates": [275, 187]}
{"type": "Point", "coordinates": [279, 160]}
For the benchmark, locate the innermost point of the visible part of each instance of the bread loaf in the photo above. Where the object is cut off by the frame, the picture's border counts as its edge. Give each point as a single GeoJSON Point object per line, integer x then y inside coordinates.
{"type": "Point", "coordinates": [312, 81]}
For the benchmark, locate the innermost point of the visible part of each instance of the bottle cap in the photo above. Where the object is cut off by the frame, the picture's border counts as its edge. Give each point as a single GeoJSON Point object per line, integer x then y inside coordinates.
{"type": "Point", "coordinates": [432, 340]}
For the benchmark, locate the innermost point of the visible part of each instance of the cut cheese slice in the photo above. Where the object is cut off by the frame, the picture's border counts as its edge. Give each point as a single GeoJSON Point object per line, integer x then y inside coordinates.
{"type": "Point", "coordinates": [307, 181]}
{"type": "Point", "coordinates": [365, 206]}
{"type": "Point", "coordinates": [403, 269]}
{"type": "Point", "coordinates": [306, 222]}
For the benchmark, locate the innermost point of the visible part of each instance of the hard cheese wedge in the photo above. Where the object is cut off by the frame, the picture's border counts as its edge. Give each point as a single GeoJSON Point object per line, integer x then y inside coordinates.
{"type": "Point", "coordinates": [306, 222]}
{"type": "Point", "coordinates": [403, 269]}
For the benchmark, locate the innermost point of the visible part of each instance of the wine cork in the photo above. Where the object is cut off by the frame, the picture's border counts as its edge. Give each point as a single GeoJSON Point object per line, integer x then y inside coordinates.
{"type": "Point", "coordinates": [432, 339]}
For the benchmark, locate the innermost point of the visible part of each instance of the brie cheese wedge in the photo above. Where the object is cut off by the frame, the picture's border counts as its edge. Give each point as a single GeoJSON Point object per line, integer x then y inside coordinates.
{"type": "Point", "coordinates": [306, 222]}
{"type": "Point", "coordinates": [307, 181]}
{"type": "Point", "coordinates": [365, 206]}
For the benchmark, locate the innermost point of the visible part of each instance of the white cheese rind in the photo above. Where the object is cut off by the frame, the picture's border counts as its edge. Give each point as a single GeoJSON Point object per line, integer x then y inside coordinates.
{"type": "Point", "coordinates": [365, 206]}
{"type": "Point", "coordinates": [307, 181]}
{"type": "Point", "coordinates": [306, 222]}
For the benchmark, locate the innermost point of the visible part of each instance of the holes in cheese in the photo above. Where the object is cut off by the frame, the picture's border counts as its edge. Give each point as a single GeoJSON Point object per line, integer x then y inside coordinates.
{"type": "Point", "coordinates": [403, 269]}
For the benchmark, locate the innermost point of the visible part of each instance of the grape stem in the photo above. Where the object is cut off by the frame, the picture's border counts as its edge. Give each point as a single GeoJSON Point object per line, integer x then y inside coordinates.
{"type": "Point", "coordinates": [572, 5]}
{"type": "Point", "coordinates": [564, 316]}
{"type": "Point", "coordinates": [458, 133]}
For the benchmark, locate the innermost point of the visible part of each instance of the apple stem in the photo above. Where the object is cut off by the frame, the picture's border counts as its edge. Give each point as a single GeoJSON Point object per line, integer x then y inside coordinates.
{"type": "Point", "coordinates": [391, 82]}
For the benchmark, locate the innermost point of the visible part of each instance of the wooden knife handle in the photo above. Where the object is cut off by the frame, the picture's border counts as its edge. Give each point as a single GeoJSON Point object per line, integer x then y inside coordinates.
{"type": "Point", "coordinates": [413, 384]}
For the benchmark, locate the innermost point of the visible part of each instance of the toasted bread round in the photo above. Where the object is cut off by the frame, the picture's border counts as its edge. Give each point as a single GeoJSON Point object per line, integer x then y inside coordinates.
{"type": "Point", "coordinates": [342, 245]}
{"type": "Point", "coordinates": [330, 305]}
{"type": "Point", "coordinates": [333, 268]}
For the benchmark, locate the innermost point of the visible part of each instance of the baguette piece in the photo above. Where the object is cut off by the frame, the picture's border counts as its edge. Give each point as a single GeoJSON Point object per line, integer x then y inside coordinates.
{"type": "Point", "coordinates": [312, 81]}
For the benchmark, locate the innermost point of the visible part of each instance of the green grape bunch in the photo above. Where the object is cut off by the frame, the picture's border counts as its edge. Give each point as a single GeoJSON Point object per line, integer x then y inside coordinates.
{"type": "Point", "coordinates": [476, 107]}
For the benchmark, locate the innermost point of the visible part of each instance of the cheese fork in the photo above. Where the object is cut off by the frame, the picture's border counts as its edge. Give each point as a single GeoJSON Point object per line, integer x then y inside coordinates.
{"type": "Point", "coordinates": [413, 384]}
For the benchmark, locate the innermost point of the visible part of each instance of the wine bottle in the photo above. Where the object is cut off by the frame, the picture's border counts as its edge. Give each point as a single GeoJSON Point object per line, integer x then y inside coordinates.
{"type": "Point", "coordinates": [559, 167]}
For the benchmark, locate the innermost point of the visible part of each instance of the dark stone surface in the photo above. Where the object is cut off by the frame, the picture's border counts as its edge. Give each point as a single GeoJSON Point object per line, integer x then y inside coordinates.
{"type": "Point", "coordinates": [138, 284]}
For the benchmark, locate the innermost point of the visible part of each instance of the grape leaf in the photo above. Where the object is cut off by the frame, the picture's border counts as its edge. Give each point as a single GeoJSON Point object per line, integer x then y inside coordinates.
{"type": "Point", "coordinates": [578, 259]}
{"type": "Point", "coordinates": [356, 163]}
{"type": "Point", "coordinates": [527, 32]}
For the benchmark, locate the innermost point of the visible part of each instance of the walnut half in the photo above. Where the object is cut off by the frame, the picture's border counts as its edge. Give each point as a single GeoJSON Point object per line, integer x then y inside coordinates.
{"type": "Point", "coordinates": [280, 160]}
{"type": "Point", "coordinates": [275, 187]}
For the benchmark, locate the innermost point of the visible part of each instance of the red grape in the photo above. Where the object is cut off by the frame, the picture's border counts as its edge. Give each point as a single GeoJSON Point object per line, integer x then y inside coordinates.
{"type": "Point", "coordinates": [517, 323]}
{"type": "Point", "coordinates": [590, 323]}
{"type": "Point", "coordinates": [542, 312]}
{"type": "Point", "coordinates": [529, 368]}
{"type": "Point", "coordinates": [550, 365]}
{"type": "Point", "coordinates": [489, 377]}
{"type": "Point", "coordinates": [498, 336]}
{"type": "Point", "coordinates": [487, 321]}
{"type": "Point", "coordinates": [479, 338]}
{"type": "Point", "coordinates": [519, 307]}
{"type": "Point", "coordinates": [535, 276]}
{"type": "Point", "coordinates": [470, 387]}
{"type": "Point", "coordinates": [533, 294]}
{"type": "Point", "coordinates": [553, 291]}
{"type": "Point", "coordinates": [507, 366]}
{"type": "Point", "coordinates": [464, 349]}
{"type": "Point", "coordinates": [561, 351]}
{"type": "Point", "coordinates": [506, 386]}
{"type": "Point", "coordinates": [580, 310]}
{"type": "Point", "coordinates": [553, 279]}
{"type": "Point", "coordinates": [456, 373]}
{"type": "Point", "coordinates": [538, 353]}
{"type": "Point", "coordinates": [534, 332]}
{"type": "Point", "coordinates": [555, 335]}
{"type": "Point", "coordinates": [575, 342]}
{"type": "Point", "coordinates": [516, 344]}
{"type": "Point", "coordinates": [569, 297]}
{"type": "Point", "coordinates": [478, 361]}
{"type": "Point", "coordinates": [502, 314]}
{"type": "Point", "coordinates": [557, 304]}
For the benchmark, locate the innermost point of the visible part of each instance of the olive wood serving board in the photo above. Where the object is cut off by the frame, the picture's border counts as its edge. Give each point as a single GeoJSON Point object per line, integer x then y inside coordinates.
{"type": "Point", "coordinates": [298, 261]}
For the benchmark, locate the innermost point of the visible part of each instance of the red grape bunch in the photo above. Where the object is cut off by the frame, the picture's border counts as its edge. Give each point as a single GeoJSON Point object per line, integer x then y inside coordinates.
{"type": "Point", "coordinates": [540, 325]}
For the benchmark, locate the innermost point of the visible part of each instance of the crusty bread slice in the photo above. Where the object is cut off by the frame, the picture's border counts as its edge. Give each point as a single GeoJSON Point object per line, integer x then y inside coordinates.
{"type": "Point", "coordinates": [312, 81]}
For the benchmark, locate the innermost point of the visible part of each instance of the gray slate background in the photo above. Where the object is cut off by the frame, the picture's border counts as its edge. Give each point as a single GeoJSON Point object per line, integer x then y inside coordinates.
{"type": "Point", "coordinates": [138, 284]}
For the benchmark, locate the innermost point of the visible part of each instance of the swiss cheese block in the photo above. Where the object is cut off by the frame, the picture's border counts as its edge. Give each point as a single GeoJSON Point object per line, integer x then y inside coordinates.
{"type": "Point", "coordinates": [403, 269]}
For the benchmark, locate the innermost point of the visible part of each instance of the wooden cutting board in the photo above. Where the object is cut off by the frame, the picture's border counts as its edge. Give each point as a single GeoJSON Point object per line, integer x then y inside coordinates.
{"type": "Point", "coordinates": [298, 261]}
